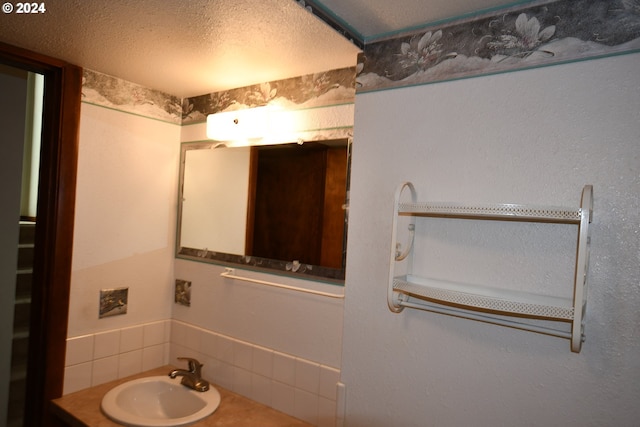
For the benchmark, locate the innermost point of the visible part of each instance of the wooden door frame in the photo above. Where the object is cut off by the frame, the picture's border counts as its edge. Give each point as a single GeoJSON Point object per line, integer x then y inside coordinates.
{"type": "Point", "coordinates": [54, 227]}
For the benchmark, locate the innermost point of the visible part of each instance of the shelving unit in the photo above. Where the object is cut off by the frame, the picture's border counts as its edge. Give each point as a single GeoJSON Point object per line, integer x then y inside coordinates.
{"type": "Point", "coordinates": [484, 303]}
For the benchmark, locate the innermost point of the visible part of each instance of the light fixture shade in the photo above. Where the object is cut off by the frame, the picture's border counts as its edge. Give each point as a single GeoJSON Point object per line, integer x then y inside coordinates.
{"type": "Point", "coordinates": [271, 124]}
{"type": "Point", "coordinates": [240, 125]}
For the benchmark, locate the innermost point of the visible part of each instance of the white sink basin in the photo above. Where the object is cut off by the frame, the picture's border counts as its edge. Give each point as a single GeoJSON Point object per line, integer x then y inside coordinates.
{"type": "Point", "coordinates": [158, 401]}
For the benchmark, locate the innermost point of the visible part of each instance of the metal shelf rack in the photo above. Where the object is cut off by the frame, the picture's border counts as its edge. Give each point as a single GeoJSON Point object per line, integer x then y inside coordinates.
{"type": "Point", "coordinates": [498, 306]}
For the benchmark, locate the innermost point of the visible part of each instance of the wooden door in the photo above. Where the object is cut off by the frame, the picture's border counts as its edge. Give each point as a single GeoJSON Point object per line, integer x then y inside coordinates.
{"type": "Point", "coordinates": [289, 203]}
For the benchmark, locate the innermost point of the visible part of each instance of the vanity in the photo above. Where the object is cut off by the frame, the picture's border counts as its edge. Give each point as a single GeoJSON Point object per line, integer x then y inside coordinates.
{"type": "Point", "coordinates": [82, 408]}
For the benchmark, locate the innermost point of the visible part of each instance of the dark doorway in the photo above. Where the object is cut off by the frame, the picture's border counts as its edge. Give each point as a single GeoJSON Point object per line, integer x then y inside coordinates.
{"type": "Point", "coordinates": [53, 235]}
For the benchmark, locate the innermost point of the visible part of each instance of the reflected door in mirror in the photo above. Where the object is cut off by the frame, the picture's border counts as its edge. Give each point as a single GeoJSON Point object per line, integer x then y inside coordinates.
{"type": "Point", "coordinates": [298, 203]}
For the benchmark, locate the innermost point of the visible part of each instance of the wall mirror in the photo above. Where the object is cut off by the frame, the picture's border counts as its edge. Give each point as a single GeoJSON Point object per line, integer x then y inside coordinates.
{"type": "Point", "coordinates": [277, 208]}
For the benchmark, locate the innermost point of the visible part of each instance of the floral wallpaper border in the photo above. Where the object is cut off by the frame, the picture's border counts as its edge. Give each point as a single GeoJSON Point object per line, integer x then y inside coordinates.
{"type": "Point", "coordinates": [538, 34]}
{"type": "Point", "coordinates": [112, 92]}
{"type": "Point", "coordinates": [327, 88]}
{"type": "Point", "coordinates": [333, 87]}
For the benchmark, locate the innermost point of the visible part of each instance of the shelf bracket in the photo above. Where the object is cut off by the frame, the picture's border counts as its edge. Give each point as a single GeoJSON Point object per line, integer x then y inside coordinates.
{"type": "Point", "coordinates": [394, 298]}
{"type": "Point", "coordinates": [582, 267]}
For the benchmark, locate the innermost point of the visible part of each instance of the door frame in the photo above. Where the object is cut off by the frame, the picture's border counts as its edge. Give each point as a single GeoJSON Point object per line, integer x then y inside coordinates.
{"type": "Point", "coordinates": [54, 227]}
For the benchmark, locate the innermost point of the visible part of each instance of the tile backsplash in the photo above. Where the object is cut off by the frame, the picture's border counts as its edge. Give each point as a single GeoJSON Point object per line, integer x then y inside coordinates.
{"type": "Point", "coordinates": [106, 356]}
{"type": "Point", "coordinates": [299, 387]}
{"type": "Point", "coordinates": [293, 385]}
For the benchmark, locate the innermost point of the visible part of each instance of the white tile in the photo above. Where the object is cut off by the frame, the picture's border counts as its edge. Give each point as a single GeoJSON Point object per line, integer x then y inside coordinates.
{"type": "Point", "coordinates": [242, 355]}
{"type": "Point", "coordinates": [208, 368]}
{"type": "Point", "coordinates": [104, 370]}
{"type": "Point", "coordinates": [261, 389]}
{"type": "Point", "coordinates": [224, 351]}
{"type": "Point", "coordinates": [222, 373]}
{"type": "Point", "coordinates": [166, 352]}
{"type": "Point", "coordinates": [341, 401]}
{"type": "Point", "coordinates": [282, 397]}
{"type": "Point", "coordinates": [152, 357]}
{"type": "Point", "coordinates": [176, 351]}
{"type": "Point", "coordinates": [329, 378]}
{"type": "Point", "coordinates": [167, 330]}
{"type": "Point", "coordinates": [194, 338]}
{"type": "Point", "coordinates": [306, 406]}
{"type": "Point", "coordinates": [241, 381]}
{"type": "Point", "coordinates": [79, 350]}
{"type": "Point", "coordinates": [106, 344]}
{"type": "Point", "coordinates": [209, 343]}
{"type": "Point", "coordinates": [262, 361]}
{"type": "Point", "coordinates": [77, 377]}
{"type": "Point", "coordinates": [326, 412]}
{"type": "Point", "coordinates": [153, 334]}
{"type": "Point", "coordinates": [284, 368]}
{"type": "Point", "coordinates": [129, 363]}
{"type": "Point", "coordinates": [179, 333]}
{"type": "Point", "coordinates": [131, 339]}
{"type": "Point", "coordinates": [307, 375]}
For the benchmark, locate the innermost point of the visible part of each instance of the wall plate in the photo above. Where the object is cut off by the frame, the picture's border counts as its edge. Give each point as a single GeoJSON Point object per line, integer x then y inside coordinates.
{"type": "Point", "coordinates": [113, 302]}
{"type": "Point", "coordinates": [183, 292]}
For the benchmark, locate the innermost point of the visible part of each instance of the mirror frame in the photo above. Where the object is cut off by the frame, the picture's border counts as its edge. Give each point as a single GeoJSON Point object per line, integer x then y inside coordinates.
{"type": "Point", "coordinates": [282, 267]}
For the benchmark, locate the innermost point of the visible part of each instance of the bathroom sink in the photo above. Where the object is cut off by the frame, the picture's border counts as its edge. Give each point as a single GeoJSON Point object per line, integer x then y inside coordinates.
{"type": "Point", "coordinates": [158, 401]}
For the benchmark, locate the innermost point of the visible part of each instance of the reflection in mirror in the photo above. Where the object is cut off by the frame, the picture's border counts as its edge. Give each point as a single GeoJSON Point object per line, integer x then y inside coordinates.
{"type": "Point", "coordinates": [274, 207]}
{"type": "Point", "coordinates": [214, 199]}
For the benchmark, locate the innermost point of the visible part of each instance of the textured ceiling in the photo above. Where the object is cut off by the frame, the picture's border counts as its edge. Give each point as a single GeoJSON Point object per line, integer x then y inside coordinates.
{"type": "Point", "coordinates": [194, 47]}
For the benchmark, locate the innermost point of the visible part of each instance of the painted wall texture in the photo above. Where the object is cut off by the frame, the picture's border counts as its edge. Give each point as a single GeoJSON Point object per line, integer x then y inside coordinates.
{"type": "Point", "coordinates": [535, 136]}
{"type": "Point", "coordinates": [125, 217]}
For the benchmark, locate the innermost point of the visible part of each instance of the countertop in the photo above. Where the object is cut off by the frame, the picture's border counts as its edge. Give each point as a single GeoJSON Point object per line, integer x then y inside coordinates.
{"type": "Point", "coordinates": [82, 408]}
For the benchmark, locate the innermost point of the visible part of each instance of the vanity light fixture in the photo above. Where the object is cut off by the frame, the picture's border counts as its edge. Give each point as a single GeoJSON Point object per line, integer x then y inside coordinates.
{"type": "Point", "coordinates": [239, 125]}
{"type": "Point", "coordinates": [254, 126]}
{"type": "Point", "coordinates": [270, 125]}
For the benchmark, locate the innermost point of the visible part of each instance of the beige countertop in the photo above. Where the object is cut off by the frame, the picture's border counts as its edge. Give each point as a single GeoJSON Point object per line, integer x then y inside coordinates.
{"type": "Point", "coordinates": [82, 408]}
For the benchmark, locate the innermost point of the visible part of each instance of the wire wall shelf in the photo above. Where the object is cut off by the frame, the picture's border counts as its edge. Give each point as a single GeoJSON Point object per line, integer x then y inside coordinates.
{"type": "Point", "coordinates": [484, 303]}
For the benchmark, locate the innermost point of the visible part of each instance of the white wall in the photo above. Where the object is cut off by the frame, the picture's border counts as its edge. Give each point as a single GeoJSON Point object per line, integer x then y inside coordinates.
{"type": "Point", "coordinates": [124, 236]}
{"type": "Point", "coordinates": [534, 136]}
{"type": "Point", "coordinates": [125, 218]}
{"type": "Point", "coordinates": [299, 324]}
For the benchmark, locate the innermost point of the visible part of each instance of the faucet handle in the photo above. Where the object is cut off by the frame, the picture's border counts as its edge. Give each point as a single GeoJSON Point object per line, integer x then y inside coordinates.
{"type": "Point", "coordinates": [194, 365]}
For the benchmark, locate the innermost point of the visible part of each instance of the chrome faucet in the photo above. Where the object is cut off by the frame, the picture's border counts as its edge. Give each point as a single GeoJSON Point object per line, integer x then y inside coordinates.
{"type": "Point", "coordinates": [193, 377]}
